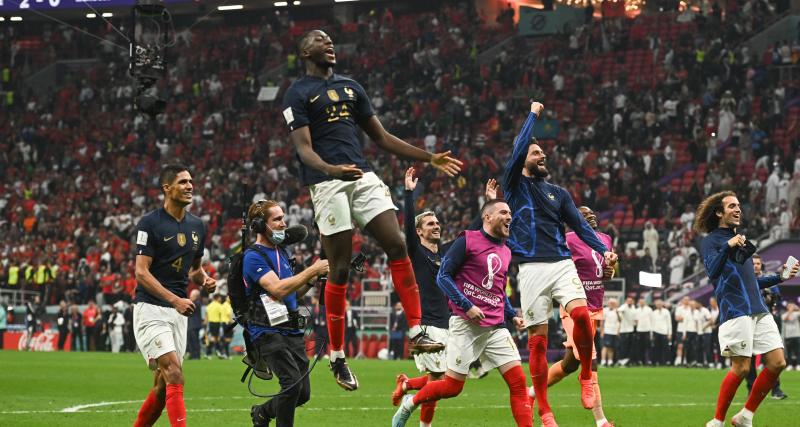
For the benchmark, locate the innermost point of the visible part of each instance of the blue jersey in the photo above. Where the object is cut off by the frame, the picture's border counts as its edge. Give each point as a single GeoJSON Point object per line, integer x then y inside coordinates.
{"type": "Point", "coordinates": [254, 268]}
{"type": "Point", "coordinates": [332, 109]}
{"type": "Point", "coordinates": [539, 210]}
{"type": "Point", "coordinates": [736, 286]}
{"type": "Point", "coordinates": [174, 247]}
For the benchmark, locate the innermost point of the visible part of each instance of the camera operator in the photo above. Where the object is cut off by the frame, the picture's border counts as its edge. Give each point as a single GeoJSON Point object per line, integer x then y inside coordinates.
{"type": "Point", "coordinates": [275, 327]}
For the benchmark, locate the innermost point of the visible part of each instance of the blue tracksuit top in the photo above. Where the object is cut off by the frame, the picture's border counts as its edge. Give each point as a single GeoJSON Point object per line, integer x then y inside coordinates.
{"type": "Point", "coordinates": [539, 210]}
{"type": "Point", "coordinates": [736, 286]}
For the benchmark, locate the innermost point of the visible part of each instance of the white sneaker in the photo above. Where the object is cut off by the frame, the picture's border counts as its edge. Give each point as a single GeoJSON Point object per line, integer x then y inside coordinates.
{"type": "Point", "coordinates": [740, 420]}
{"type": "Point", "coordinates": [715, 423]}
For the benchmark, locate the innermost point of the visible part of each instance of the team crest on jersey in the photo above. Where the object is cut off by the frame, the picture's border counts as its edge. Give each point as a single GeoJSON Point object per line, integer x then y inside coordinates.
{"type": "Point", "coordinates": [333, 95]}
{"type": "Point", "coordinates": [458, 360]}
{"type": "Point", "coordinates": [350, 93]}
{"type": "Point", "coordinates": [195, 240]}
{"type": "Point", "coordinates": [551, 196]}
{"type": "Point", "coordinates": [181, 239]}
{"type": "Point", "coordinates": [331, 219]}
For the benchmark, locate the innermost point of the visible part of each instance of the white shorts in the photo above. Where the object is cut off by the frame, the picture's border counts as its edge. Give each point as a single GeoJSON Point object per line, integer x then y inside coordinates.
{"type": "Point", "coordinates": [468, 342]}
{"type": "Point", "coordinates": [433, 362]}
{"type": "Point", "coordinates": [338, 203]}
{"type": "Point", "coordinates": [749, 335]}
{"type": "Point", "coordinates": [542, 282]}
{"type": "Point", "coordinates": [158, 331]}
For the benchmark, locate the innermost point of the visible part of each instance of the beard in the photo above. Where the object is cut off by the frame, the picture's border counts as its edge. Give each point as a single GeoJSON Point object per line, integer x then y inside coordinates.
{"type": "Point", "coordinates": [538, 172]}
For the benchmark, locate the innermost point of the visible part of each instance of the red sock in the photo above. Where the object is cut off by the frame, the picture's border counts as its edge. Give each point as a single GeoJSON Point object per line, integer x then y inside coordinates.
{"type": "Point", "coordinates": [726, 392]}
{"type": "Point", "coordinates": [763, 384]}
{"type": "Point", "coordinates": [520, 405]}
{"type": "Point", "coordinates": [335, 296]}
{"type": "Point", "coordinates": [150, 411]}
{"type": "Point", "coordinates": [405, 284]}
{"type": "Point", "coordinates": [416, 383]}
{"type": "Point", "coordinates": [436, 390]}
{"type": "Point", "coordinates": [176, 411]}
{"type": "Point", "coordinates": [426, 411]}
{"type": "Point", "coordinates": [582, 335]}
{"type": "Point", "coordinates": [537, 361]}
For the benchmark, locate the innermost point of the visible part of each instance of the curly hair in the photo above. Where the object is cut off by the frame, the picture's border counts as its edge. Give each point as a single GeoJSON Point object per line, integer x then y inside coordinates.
{"type": "Point", "coordinates": [706, 219]}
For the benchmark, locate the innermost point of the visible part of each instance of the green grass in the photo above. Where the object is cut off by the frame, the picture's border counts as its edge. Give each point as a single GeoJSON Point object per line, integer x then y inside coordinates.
{"type": "Point", "coordinates": [37, 387]}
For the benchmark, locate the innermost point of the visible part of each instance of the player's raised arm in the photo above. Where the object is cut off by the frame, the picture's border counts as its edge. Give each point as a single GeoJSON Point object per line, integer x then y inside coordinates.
{"type": "Point", "coordinates": [516, 162]}
{"type": "Point", "coordinates": [385, 140]}
{"type": "Point", "coordinates": [409, 217]}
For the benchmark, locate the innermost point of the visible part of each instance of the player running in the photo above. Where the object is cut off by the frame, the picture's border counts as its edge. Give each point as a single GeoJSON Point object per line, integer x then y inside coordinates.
{"type": "Point", "coordinates": [746, 326]}
{"type": "Point", "coordinates": [546, 270]}
{"type": "Point", "coordinates": [169, 251]}
{"type": "Point", "coordinates": [324, 112]}
{"type": "Point", "coordinates": [592, 270]}
{"type": "Point", "coordinates": [473, 276]}
{"type": "Point", "coordinates": [423, 239]}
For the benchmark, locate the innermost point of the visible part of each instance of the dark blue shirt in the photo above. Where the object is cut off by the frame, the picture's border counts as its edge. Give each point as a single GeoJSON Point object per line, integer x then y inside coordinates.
{"type": "Point", "coordinates": [174, 247]}
{"type": "Point", "coordinates": [539, 210]}
{"type": "Point", "coordinates": [736, 286]}
{"type": "Point", "coordinates": [254, 268]}
{"type": "Point", "coordinates": [332, 109]}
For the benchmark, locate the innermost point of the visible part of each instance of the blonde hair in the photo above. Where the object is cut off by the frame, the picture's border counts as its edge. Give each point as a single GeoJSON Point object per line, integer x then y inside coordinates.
{"type": "Point", "coordinates": [418, 219]}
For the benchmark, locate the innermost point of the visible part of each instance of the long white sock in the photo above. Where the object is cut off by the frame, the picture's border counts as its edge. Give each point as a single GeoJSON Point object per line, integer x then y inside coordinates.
{"type": "Point", "coordinates": [414, 331]}
{"type": "Point", "coordinates": [601, 423]}
{"type": "Point", "coordinates": [747, 414]}
{"type": "Point", "coordinates": [337, 354]}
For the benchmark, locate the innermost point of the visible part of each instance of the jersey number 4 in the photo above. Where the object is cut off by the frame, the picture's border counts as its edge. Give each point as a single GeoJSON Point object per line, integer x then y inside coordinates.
{"type": "Point", "coordinates": [178, 264]}
{"type": "Point", "coordinates": [335, 114]}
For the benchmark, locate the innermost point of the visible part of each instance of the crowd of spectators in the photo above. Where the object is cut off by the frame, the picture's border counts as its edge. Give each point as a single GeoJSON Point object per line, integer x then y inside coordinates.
{"type": "Point", "coordinates": [80, 167]}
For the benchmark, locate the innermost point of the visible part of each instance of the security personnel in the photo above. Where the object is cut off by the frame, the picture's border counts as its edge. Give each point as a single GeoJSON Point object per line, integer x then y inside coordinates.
{"type": "Point", "coordinates": [214, 320]}
{"type": "Point", "coordinates": [274, 325]}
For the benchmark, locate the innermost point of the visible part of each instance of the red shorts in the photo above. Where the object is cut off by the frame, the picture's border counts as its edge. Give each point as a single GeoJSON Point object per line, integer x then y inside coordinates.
{"type": "Point", "coordinates": [568, 324]}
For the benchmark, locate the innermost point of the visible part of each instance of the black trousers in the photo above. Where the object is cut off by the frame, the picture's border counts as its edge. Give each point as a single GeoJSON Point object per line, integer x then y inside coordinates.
{"type": "Point", "coordinates": [626, 345]}
{"type": "Point", "coordinates": [193, 343]}
{"type": "Point", "coordinates": [643, 354]}
{"type": "Point", "coordinates": [706, 353]}
{"type": "Point", "coordinates": [62, 338]}
{"type": "Point", "coordinates": [286, 357]}
{"type": "Point", "coordinates": [351, 341]}
{"type": "Point", "coordinates": [660, 352]}
{"type": "Point", "coordinates": [792, 350]}
{"type": "Point", "coordinates": [690, 347]}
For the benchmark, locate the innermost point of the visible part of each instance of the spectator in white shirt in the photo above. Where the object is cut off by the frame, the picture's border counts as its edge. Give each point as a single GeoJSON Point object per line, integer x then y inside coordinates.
{"type": "Point", "coordinates": [691, 323]}
{"type": "Point", "coordinates": [705, 323]}
{"type": "Point", "coordinates": [791, 333]}
{"type": "Point", "coordinates": [713, 307]}
{"type": "Point", "coordinates": [644, 331]}
{"type": "Point", "coordinates": [610, 330]}
{"type": "Point", "coordinates": [682, 317]}
{"type": "Point", "coordinates": [661, 321]}
{"type": "Point", "coordinates": [627, 326]}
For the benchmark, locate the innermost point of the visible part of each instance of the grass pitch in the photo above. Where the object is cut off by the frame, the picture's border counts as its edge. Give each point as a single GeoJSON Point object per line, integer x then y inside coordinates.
{"type": "Point", "coordinates": [102, 389]}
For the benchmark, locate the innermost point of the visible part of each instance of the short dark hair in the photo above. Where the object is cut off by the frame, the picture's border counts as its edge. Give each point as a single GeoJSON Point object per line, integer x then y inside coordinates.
{"type": "Point", "coordinates": [301, 43]}
{"type": "Point", "coordinates": [756, 256]}
{"type": "Point", "coordinates": [489, 203]}
{"type": "Point", "coordinates": [169, 172]}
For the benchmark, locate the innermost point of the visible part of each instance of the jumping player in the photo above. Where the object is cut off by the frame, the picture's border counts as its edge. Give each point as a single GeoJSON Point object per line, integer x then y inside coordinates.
{"type": "Point", "coordinates": [480, 307]}
{"type": "Point", "coordinates": [546, 270]}
{"type": "Point", "coordinates": [423, 239]}
{"type": "Point", "coordinates": [746, 326]}
{"type": "Point", "coordinates": [324, 112]}
{"type": "Point", "coordinates": [592, 271]}
{"type": "Point", "coordinates": [169, 251]}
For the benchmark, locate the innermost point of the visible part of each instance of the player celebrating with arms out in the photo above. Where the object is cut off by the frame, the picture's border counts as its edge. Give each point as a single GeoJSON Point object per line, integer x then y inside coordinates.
{"type": "Point", "coordinates": [169, 251]}
{"type": "Point", "coordinates": [592, 270]}
{"type": "Point", "coordinates": [546, 270]}
{"type": "Point", "coordinates": [423, 239]}
{"type": "Point", "coordinates": [480, 307]}
{"type": "Point", "coordinates": [746, 326]}
{"type": "Point", "coordinates": [324, 112]}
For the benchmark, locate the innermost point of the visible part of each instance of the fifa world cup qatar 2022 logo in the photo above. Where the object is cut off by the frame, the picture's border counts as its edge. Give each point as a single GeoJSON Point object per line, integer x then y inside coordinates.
{"type": "Point", "coordinates": [493, 265]}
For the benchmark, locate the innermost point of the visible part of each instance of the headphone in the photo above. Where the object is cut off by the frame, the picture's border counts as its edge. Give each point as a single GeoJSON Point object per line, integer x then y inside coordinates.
{"type": "Point", "coordinates": [257, 224]}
